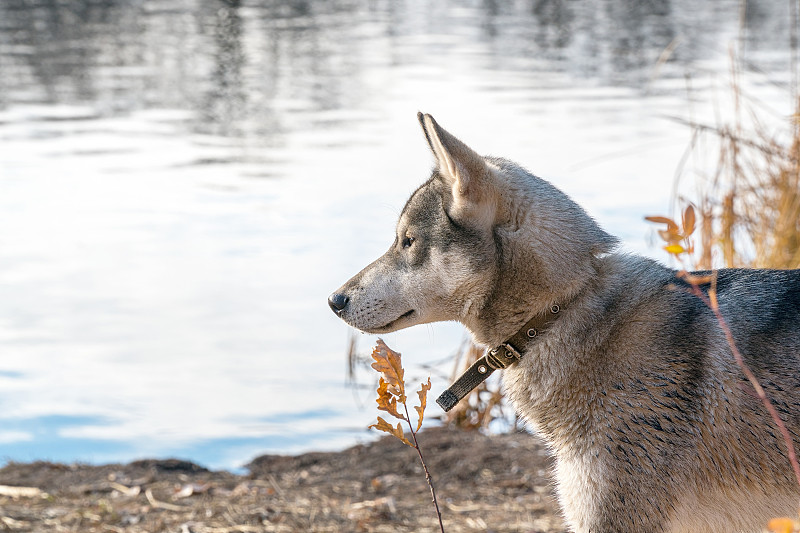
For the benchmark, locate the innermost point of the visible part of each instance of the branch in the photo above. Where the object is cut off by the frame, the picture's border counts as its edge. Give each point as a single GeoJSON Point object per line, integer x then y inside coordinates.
{"type": "Point", "coordinates": [711, 302]}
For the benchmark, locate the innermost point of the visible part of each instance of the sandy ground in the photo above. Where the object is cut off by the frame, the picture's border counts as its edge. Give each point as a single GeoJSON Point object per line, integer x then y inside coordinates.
{"type": "Point", "coordinates": [494, 483]}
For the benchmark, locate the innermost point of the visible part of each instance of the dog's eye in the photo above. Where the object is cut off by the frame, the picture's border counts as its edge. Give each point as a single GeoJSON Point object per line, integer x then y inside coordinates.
{"type": "Point", "coordinates": [408, 241]}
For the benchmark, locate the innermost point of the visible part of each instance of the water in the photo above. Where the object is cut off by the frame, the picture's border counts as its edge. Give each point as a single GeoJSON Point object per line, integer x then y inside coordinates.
{"type": "Point", "coordinates": [183, 182]}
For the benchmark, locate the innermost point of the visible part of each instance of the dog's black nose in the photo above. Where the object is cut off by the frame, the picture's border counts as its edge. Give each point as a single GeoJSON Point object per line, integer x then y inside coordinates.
{"type": "Point", "coordinates": [338, 302]}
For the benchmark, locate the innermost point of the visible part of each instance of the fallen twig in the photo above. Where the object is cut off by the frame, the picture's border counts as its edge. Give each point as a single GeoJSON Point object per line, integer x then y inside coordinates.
{"type": "Point", "coordinates": [21, 492]}
{"type": "Point", "coordinates": [162, 505]}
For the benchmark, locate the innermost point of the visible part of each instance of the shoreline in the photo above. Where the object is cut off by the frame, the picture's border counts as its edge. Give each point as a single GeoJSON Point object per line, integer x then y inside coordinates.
{"type": "Point", "coordinates": [497, 483]}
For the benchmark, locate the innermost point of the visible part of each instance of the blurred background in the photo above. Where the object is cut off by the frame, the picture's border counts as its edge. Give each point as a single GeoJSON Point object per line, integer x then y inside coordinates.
{"type": "Point", "coordinates": [183, 183]}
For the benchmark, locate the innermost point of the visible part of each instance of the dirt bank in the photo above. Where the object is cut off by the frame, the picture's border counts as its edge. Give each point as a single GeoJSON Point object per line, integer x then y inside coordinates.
{"type": "Point", "coordinates": [498, 483]}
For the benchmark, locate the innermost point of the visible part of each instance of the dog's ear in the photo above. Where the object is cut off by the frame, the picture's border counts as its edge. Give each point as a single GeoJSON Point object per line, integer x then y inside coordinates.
{"type": "Point", "coordinates": [462, 168]}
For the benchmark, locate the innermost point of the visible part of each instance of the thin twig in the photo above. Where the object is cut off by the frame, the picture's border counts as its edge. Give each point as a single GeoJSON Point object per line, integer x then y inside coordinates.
{"type": "Point", "coordinates": [725, 133]}
{"type": "Point", "coordinates": [391, 391]}
{"type": "Point", "coordinates": [428, 477]}
{"type": "Point", "coordinates": [711, 302]}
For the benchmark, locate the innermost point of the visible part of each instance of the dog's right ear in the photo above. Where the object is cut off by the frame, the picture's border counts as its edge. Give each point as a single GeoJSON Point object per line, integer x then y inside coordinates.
{"type": "Point", "coordinates": [463, 169]}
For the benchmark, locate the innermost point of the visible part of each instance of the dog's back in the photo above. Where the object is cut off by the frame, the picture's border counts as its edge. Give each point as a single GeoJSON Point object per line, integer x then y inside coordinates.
{"type": "Point", "coordinates": [652, 422]}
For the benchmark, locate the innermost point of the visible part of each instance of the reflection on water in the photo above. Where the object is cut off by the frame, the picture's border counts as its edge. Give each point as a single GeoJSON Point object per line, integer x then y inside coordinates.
{"type": "Point", "coordinates": [239, 65]}
{"type": "Point", "coordinates": [157, 296]}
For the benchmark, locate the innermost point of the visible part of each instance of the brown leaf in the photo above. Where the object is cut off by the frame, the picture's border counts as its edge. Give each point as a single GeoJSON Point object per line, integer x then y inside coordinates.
{"type": "Point", "coordinates": [671, 225]}
{"type": "Point", "coordinates": [383, 425]}
{"type": "Point", "coordinates": [386, 427]}
{"type": "Point", "coordinates": [688, 221]}
{"type": "Point", "coordinates": [423, 401]}
{"type": "Point", "coordinates": [387, 362]}
{"type": "Point", "coordinates": [670, 237]}
{"type": "Point", "coordinates": [387, 400]}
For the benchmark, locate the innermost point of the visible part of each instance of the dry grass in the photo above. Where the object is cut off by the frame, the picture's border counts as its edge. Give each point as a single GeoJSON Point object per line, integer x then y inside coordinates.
{"type": "Point", "coordinates": [750, 203]}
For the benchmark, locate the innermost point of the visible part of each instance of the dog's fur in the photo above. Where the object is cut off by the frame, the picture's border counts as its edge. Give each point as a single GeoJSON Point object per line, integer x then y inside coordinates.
{"type": "Point", "coordinates": [634, 387]}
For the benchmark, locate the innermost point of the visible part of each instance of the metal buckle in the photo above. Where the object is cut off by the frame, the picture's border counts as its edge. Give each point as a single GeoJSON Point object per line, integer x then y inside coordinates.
{"type": "Point", "coordinates": [497, 361]}
{"type": "Point", "coordinates": [513, 351]}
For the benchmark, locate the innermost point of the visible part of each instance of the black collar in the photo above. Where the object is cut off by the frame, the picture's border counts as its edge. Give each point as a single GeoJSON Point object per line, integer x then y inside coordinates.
{"type": "Point", "coordinates": [503, 356]}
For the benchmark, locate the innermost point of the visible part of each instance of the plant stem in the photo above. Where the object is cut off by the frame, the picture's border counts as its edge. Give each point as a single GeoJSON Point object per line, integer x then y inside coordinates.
{"type": "Point", "coordinates": [428, 477]}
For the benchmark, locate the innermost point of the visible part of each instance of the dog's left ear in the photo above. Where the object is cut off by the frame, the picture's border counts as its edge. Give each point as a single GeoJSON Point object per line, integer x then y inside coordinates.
{"type": "Point", "coordinates": [465, 170]}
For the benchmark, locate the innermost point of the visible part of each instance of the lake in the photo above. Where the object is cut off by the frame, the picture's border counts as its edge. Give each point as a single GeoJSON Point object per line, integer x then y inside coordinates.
{"type": "Point", "coordinates": [183, 183]}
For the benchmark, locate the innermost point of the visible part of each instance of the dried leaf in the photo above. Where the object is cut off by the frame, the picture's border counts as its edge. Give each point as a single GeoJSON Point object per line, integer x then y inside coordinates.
{"type": "Point", "coordinates": [387, 400]}
{"type": "Point", "coordinates": [387, 362]}
{"type": "Point", "coordinates": [423, 401]}
{"type": "Point", "coordinates": [670, 237]}
{"type": "Point", "coordinates": [671, 225]}
{"type": "Point", "coordinates": [383, 425]}
{"type": "Point", "coordinates": [386, 427]}
{"type": "Point", "coordinates": [688, 221]}
{"type": "Point", "coordinates": [675, 249]}
{"type": "Point", "coordinates": [781, 525]}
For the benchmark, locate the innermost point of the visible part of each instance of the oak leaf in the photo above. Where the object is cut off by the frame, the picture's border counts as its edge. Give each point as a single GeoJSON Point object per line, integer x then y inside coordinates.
{"type": "Point", "coordinates": [387, 362]}
{"type": "Point", "coordinates": [671, 225]}
{"type": "Point", "coordinates": [387, 401]}
{"type": "Point", "coordinates": [423, 401]}
{"type": "Point", "coordinates": [386, 427]}
{"type": "Point", "coordinates": [688, 221]}
{"type": "Point", "coordinates": [670, 236]}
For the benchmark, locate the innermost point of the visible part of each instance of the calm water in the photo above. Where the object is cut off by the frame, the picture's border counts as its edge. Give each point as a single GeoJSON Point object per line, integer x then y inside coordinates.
{"type": "Point", "coordinates": [182, 184]}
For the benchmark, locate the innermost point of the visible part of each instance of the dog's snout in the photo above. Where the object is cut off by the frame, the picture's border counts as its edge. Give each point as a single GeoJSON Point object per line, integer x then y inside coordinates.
{"type": "Point", "coordinates": [338, 302]}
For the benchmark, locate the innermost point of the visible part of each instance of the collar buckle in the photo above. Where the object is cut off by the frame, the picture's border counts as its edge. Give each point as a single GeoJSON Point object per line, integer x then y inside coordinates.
{"type": "Point", "coordinates": [503, 356]}
{"type": "Point", "coordinates": [498, 358]}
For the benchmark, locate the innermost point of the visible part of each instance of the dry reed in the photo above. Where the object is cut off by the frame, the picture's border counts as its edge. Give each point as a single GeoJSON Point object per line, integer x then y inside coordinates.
{"type": "Point", "coordinates": [750, 205]}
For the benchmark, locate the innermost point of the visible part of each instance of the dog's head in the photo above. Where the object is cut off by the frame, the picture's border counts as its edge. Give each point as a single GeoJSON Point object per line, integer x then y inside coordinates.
{"type": "Point", "coordinates": [441, 251]}
{"type": "Point", "coordinates": [457, 245]}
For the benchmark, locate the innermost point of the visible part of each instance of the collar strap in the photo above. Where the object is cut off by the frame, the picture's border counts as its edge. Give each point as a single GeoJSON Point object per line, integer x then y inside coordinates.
{"type": "Point", "coordinates": [503, 356]}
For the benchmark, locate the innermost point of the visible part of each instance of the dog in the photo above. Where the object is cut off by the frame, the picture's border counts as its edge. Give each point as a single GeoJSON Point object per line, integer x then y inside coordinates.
{"type": "Point", "coordinates": [632, 384]}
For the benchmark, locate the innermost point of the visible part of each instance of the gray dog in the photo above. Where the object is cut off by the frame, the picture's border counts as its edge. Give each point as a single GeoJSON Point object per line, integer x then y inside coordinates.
{"type": "Point", "coordinates": [625, 374]}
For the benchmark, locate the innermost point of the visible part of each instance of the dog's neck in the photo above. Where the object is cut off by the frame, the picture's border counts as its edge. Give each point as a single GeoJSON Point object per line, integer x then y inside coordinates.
{"type": "Point", "coordinates": [529, 285]}
{"type": "Point", "coordinates": [499, 321]}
